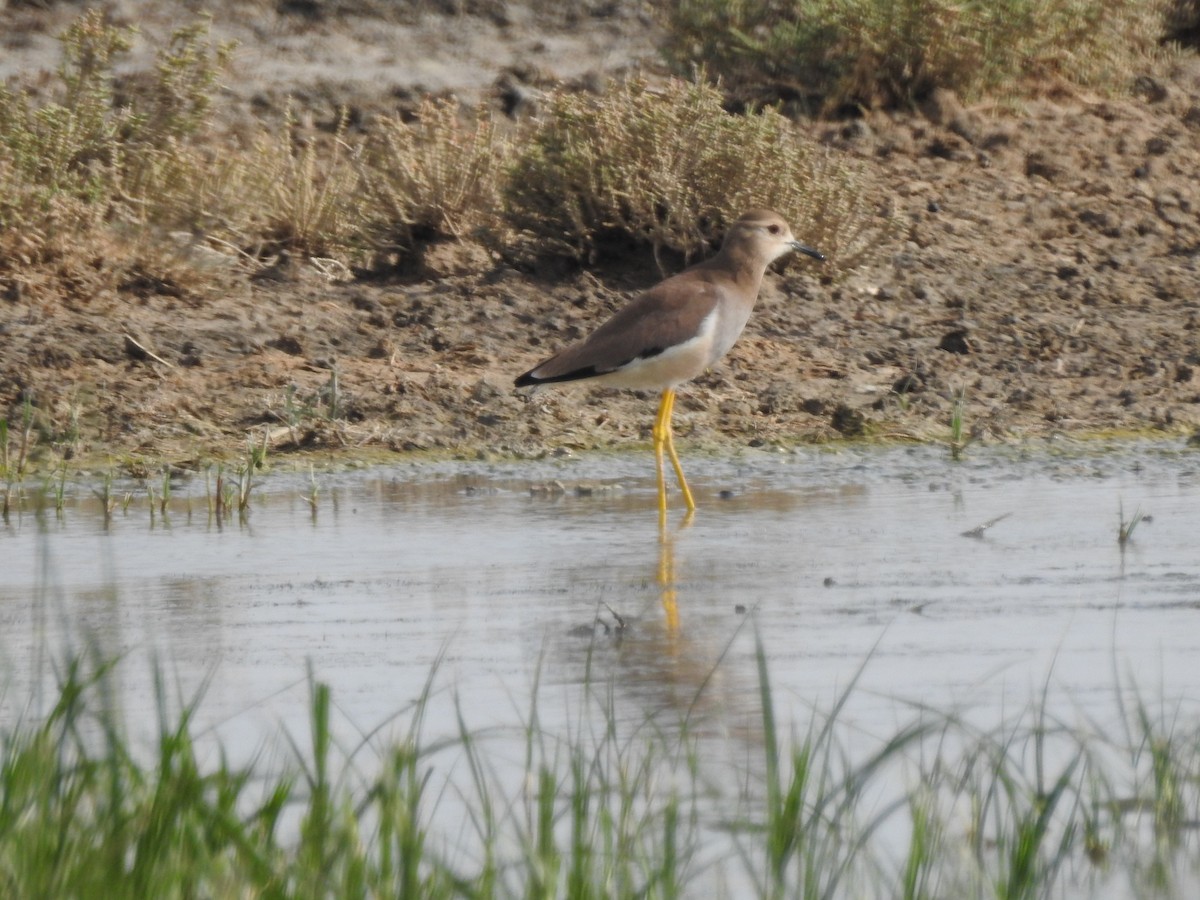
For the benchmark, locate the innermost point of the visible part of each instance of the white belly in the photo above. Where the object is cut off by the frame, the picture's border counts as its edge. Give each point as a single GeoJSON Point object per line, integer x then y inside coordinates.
{"type": "Point", "coordinates": [673, 366]}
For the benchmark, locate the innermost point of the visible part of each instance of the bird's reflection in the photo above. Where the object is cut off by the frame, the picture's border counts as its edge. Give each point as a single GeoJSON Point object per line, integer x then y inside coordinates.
{"type": "Point", "coordinates": [669, 659]}
{"type": "Point", "coordinates": [666, 572]}
{"type": "Point", "coordinates": [673, 662]}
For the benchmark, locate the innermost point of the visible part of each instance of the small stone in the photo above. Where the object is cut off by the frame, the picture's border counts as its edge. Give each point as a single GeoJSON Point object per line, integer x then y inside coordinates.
{"type": "Point", "coordinates": [908, 384]}
{"type": "Point", "coordinates": [483, 392]}
{"type": "Point", "coordinates": [847, 421]}
{"type": "Point", "coordinates": [1153, 90]}
{"type": "Point", "coordinates": [955, 341]}
{"type": "Point", "coordinates": [134, 349]}
{"type": "Point", "coordinates": [857, 130]}
{"type": "Point", "coordinates": [1041, 165]}
{"type": "Point", "coordinates": [289, 344]}
{"type": "Point", "coordinates": [942, 106]}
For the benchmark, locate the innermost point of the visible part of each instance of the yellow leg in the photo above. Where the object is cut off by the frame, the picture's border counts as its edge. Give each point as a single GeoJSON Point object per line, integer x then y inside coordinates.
{"type": "Point", "coordinates": [669, 402]}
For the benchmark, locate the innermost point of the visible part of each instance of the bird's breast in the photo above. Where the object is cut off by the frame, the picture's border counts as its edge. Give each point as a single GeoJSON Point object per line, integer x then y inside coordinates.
{"type": "Point", "coordinates": [729, 322]}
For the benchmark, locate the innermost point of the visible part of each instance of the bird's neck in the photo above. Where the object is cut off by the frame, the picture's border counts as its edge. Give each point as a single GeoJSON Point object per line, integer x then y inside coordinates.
{"type": "Point", "coordinates": [745, 267]}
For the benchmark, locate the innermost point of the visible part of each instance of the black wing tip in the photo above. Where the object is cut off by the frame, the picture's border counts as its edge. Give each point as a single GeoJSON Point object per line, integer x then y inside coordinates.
{"type": "Point", "coordinates": [529, 378]}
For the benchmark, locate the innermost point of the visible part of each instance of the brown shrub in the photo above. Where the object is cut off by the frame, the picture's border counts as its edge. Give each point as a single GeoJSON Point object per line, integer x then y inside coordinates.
{"type": "Point", "coordinates": [670, 167]}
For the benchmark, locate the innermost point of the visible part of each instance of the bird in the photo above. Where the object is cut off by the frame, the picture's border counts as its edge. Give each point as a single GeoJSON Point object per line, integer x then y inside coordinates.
{"type": "Point", "coordinates": [677, 329]}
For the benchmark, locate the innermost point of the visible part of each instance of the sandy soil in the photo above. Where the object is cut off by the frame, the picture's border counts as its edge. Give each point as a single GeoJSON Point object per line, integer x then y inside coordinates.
{"type": "Point", "coordinates": [1043, 264]}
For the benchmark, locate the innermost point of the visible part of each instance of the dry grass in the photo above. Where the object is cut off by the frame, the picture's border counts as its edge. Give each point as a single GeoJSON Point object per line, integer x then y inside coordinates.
{"type": "Point", "coordinates": [670, 167]}
{"type": "Point", "coordinates": [92, 174]}
{"type": "Point", "coordinates": [1183, 23]}
{"type": "Point", "coordinates": [437, 177]}
{"type": "Point", "coordinates": [829, 54]}
{"type": "Point", "coordinates": [78, 172]}
{"type": "Point", "coordinates": [301, 194]}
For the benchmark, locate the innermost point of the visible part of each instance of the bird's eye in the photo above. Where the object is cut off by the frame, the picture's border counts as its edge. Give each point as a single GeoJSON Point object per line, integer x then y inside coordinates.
{"type": "Point", "coordinates": [774, 229]}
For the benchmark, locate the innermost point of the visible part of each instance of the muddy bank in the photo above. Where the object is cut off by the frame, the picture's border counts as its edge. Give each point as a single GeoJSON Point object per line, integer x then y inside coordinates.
{"type": "Point", "coordinates": [1042, 265]}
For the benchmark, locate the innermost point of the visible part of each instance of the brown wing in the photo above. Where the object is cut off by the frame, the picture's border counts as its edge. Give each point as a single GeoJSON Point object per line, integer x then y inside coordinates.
{"type": "Point", "coordinates": [668, 314]}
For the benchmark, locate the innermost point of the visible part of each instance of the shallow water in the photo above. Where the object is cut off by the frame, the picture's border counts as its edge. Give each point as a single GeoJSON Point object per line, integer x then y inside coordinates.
{"type": "Point", "coordinates": [847, 564]}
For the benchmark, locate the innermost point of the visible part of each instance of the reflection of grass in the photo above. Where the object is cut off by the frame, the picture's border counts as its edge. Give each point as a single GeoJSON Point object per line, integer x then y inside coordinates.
{"type": "Point", "coordinates": [607, 809]}
{"type": "Point", "coordinates": [110, 499]}
{"type": "Point", "coordinates": [1125, 528]}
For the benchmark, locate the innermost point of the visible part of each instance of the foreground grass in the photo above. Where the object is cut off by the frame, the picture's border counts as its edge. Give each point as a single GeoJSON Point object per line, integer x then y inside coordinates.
{"type": "Point", "coordinates": [600, 807]}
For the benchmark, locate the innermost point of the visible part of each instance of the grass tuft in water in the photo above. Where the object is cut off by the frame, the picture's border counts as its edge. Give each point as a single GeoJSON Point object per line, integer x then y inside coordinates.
{"type": "Point", "coordinates": [314, 490]}
{"type": "Point", "coordinates": [13, 470]}
{"type": "Point", "coordinates": [959, 438]}
{"type": "Point", "coordinates": [1126, 527]}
